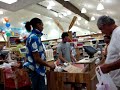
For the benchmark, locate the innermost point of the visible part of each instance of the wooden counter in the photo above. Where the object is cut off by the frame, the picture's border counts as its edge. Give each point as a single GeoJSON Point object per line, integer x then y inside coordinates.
{"type": "Point", "coordinates": [72, 81]}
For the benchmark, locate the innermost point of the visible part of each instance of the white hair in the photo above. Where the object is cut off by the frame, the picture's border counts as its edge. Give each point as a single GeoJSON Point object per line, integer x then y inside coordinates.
{"type": "Point", "coordinates": [105, 20]}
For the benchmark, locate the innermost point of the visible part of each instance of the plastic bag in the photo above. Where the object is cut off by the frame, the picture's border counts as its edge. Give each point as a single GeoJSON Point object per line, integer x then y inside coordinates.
{"type": "Point", "coordinates": [105, 81]}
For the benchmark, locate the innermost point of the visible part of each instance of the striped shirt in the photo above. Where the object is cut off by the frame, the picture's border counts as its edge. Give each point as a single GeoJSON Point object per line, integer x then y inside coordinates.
{"type": "Point", "coordinates": [34, 44]}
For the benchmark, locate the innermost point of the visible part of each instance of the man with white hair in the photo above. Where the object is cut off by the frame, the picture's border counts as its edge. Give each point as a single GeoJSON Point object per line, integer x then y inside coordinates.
{"type": "Point", "coordinates": [107, 26]}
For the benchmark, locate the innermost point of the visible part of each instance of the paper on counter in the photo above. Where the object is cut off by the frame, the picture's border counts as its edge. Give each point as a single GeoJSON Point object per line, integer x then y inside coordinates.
{"type": "Point", "coordinates": [72, 69]}
{"type": "Point", "coordinates": [85, 60]}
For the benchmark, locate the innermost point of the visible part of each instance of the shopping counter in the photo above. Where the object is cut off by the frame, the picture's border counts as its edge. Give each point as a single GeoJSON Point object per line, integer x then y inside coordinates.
{"type": "Point", "coordinates": [74, 81]}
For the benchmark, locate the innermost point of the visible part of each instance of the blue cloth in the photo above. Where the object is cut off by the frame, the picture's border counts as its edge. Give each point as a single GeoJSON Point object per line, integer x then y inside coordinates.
{"type": "Point", "coordinates": [34, 44]}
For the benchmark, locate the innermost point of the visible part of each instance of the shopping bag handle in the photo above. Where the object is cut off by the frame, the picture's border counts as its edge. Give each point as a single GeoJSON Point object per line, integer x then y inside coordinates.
{"type": "Point", "coordinates": [98, 69]}
{"type": "Point", "coordinates": [99, 73]}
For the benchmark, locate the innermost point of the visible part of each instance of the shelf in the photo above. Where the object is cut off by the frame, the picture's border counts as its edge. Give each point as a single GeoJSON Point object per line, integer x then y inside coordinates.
{"type": "Point", "coordinates": [102, 44]}
{"type": "Point", "coordinates": [79, 47]}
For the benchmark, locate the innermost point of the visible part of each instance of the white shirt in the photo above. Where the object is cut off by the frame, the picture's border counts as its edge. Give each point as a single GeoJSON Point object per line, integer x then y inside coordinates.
{"type": "Point", "coordinates": [113, 54]}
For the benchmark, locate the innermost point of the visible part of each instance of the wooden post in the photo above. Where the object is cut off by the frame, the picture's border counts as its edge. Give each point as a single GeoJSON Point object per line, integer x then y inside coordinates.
{"type": "Point", "coordinates": [70, 35]}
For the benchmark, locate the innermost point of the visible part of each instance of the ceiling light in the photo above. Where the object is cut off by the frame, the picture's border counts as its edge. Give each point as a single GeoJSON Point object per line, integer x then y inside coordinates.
{"type": "Point", "coordinates": [20, 37]}
{"type": "Point", "coordinates": [9, 1]}
{"type": "Point", "coordinates": [49, 7]}
{"type": "Point", "coordinates": [86, 22]}
{"type": "Point", "coordinates": [78, 23]}
{"type": "Point", "coordinates": [88, 28]}
{"type": "Point", "coordinates": [69, 12]}
{"type": "Point", "coordinates": [100, 6]}
{"type": "Point", "coordinates": [51, 3]}
{"type": "Point", "coordinates": [38, 14]}
{"type": "Point", "coordinates": [79, 18]}
{"type": "Point", "coordinates": [92, 18]}
{"type": "Point", "coordinates": [1, 12]}
{"type": "Point", "coordinates": [83, 10]}
{"type": "Point", "coordinates": [66, 0]}
{"type": "Point", "coordinates": [3, 20]}
{"type": "Point", "coordinates": [56, 14]}
{"type": "Point", "coordinates": [65, 14]}
{"type": "Point", "coordinates": [22, 24]}
{"type": "Point", "coordinates": [60, 15]}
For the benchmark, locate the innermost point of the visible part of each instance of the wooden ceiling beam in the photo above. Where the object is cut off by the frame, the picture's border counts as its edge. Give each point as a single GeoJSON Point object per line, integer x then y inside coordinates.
{"type": "Point", "coordinates": [72, 8]}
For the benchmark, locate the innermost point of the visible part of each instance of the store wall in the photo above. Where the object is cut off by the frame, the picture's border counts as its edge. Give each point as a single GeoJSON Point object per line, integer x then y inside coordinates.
{"type": "Point", "coordinates": [52, 31]}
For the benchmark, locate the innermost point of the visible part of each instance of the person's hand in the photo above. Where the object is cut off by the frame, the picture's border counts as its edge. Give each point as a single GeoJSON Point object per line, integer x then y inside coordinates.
{"type": "Point", "coordinates": [105, 68]}
{"type": "Point", "coordinates": [74, 60]}
{"type": "Point", "coordinates": [52, 67]}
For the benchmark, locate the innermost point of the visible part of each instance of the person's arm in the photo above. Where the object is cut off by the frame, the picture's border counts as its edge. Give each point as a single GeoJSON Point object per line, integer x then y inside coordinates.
{"type": "Point", "coordinates": [34, 47]}
{"type": "Point", "coordinates": [72, 57]}
{"type": "Point", "coordinates": [38, 60]}
{"type": "Point", "coordinates": [106, 68]}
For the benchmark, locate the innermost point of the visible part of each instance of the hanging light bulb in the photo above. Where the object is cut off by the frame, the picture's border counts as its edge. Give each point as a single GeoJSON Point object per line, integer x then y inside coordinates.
{"type": "Point", "coordinates": [56, 14]}
{"type": "Point", "coordinates": [51, 3]}
{"type": "Point", "coordinates": [100, 6]}
{"type": "Point", "coordinates": [3, 20]}
{"type": "Point", "coordinates": [49, 7]}
{"type": "Point", "coordinates": [79, 18]}
{"type": "Point", "coordinates": [60, 15]}
{"type": "Point", "coordinates": [1, 12]}
{"type": "Point", "coordinates": [86, 22]}
{"type": "Point", "coordinates": [83, 10]}
{"type": "Point", "coordinates": [88, 28]}
{"type": "Point", "coordinates": [92, 18]}
{"type": "Point", "coordinates": [65, 14]}
{"type": "Point", "coordinates": [66, 0]}
{"type": "Point", "coordinates": [78, 23]}
{"type": "Point", "coordinates": [69, 12]}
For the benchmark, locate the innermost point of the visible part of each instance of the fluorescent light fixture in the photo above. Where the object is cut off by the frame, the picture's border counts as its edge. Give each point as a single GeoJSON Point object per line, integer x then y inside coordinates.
{"type": "Point", "coordinates": [49, 7]}
{"type": "Point", "coordinates": [9, 1]}
{"type": "Point", "coordinates": [1, 12]}
{"type": "Point", "coordinates": [88, 28]}
{"type": "Point", "coordinates": [100, 6]}
{"type": "Point", "coordinates": [83, 10]}
{"type": "Point", "coordinates": [51, 3]}
{"type": "Point", "coordinates": [92, 18]}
